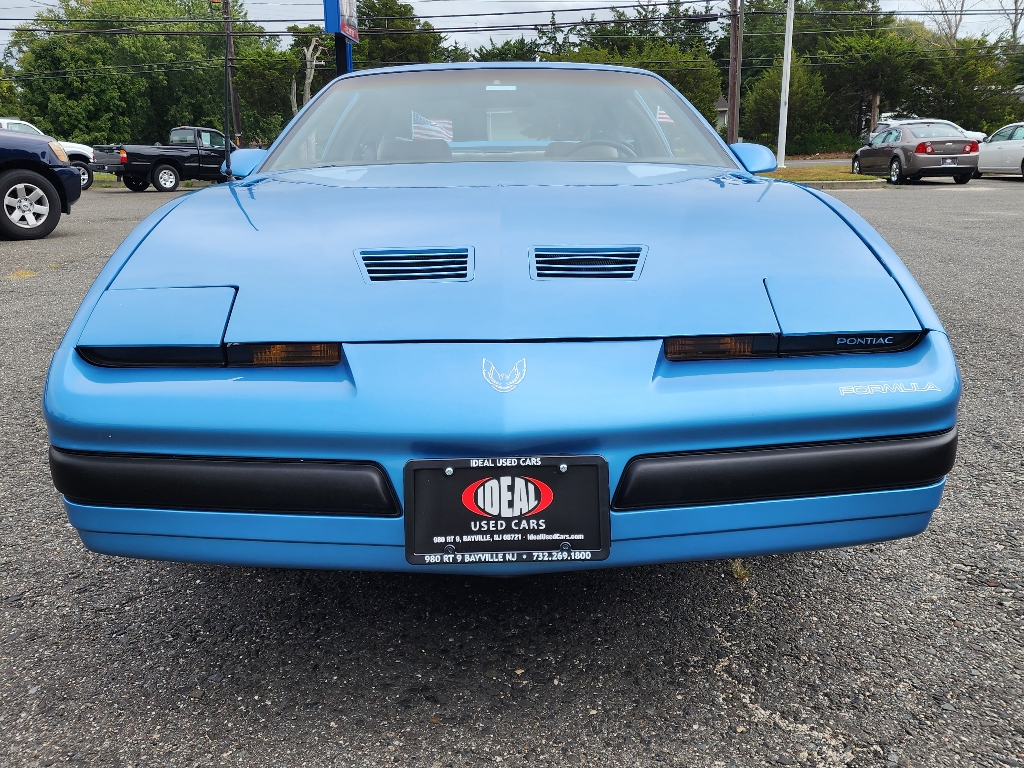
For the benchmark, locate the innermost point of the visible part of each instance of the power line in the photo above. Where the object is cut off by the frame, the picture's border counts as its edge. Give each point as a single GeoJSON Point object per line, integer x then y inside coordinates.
{"type": "Point", "coordinates": [196, 19]}
{"type": "Point", "coordinates": [546, 11]}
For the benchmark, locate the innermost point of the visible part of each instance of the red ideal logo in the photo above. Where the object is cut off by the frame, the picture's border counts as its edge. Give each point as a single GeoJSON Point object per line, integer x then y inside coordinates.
{"type": "Point", "coordinates": [507, 496]}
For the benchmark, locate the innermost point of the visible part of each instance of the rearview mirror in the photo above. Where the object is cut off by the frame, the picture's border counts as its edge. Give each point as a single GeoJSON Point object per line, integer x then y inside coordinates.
{"type": "Point", "coordinates": [244, 162]}
{"type": "Point", "coordinates": [755, 157]}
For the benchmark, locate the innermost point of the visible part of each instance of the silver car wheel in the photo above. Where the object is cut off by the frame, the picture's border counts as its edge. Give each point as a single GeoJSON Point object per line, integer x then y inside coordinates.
{"type": "Point", "coordinates": [856, 166]}
{"type": "Point", "coordinates": [26, 205]}
{"type": "Point", "coordinates": [895, 172]}
{"type": "Point", "coordinates": [84, 173]}
{"type": "Point", "coordinates": [165, 178]}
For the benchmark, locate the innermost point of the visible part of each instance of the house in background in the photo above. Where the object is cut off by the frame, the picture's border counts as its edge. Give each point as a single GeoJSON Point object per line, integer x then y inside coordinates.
{"type": "Point", "coordinates": [722, 105]}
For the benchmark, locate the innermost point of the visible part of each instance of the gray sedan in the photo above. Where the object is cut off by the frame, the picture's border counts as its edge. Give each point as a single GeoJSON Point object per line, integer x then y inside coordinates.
{"type": "Point", "coordinates": [918, 149]}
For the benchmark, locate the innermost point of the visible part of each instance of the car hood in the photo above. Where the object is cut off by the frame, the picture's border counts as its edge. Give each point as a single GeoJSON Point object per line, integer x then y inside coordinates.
{"type": "Point", "coordinates": [714, 244]}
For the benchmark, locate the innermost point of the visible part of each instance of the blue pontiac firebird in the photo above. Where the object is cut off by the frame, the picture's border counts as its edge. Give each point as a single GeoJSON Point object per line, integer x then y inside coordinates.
{"type": "Point", "coordinates": [500, 319]}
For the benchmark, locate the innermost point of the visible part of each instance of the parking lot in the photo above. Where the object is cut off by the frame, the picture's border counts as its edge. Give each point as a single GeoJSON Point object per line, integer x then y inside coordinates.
{"type": "Point", "coordinates": [909, 653]}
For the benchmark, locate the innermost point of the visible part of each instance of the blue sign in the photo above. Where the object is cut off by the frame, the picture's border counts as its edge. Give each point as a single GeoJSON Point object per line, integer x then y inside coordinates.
{"type": "Point", "coordinates": [341, 17]}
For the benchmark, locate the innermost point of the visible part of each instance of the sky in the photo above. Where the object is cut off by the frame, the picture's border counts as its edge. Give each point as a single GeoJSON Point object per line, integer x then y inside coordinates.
{"type": "Point", "coordinates": [275, 15]}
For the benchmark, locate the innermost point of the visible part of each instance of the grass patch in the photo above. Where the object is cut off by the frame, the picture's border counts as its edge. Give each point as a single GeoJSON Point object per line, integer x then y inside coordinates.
{"type": "Point", "coordinates": [818, 173]}
{"type": "Point", "coordinates": [109, 181]}
{"type": "Point", "coordinates": [739, 569]}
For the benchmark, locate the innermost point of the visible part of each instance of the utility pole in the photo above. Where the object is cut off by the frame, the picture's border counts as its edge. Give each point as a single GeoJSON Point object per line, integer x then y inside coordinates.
{"type": "Point", "coordinates": [732, 120]}
{"type": "Point", "coordinates": [787, 64]}
{"type": "Point", "coordinates": [229, 77]}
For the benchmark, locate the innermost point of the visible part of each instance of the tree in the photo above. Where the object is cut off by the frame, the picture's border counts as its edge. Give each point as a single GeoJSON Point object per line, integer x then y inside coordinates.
{"type": "Point", "coordinates": [263, 80]}
{"type": "Point", "coordinates": [967, 84]}
{"type": "Point", "coordinates": [100, 87]}
{"type": "Point", "coordinates": [390, 33]}
{"type": "Point", "coordinates": [519, 49]}
{"type": "Point", "coordinates": [867, 69]}
{"type": "Point", "coordinates": [678, 26]}
{"type": "Point", "coordinates": [691, 72]}
{"type": "Point", "coordinates": [813, 28]}
{"type": "Point", "coordinates": [8, 93]}
{"type": "Point", "coordinates": [760, 118]}
{"type": "Point", "coordinates": [308, 44]}
{"type": "Point", "coordinates": [1013, 12]}
{"type": "Point", "coordinates": [949, 16]}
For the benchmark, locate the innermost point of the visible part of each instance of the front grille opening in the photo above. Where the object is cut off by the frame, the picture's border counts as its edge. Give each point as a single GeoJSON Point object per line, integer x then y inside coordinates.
{"type": "Point", "coordinates": [392, 264]}
{"type": "Point", "coordinates": [616, 262]}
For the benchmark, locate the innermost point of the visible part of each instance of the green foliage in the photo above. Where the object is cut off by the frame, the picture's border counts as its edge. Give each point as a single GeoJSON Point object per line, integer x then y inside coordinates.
{"type": "Point", "coordinates": [862, 66]}
{"type": "Point", "coordinates": [263, 82]}
{"type": "Point", "coordinates": [692, 72]}
{"type": "Point", "coordinates": [390, 35]}
{"type": "Point", "coordinates": [399, 37]}
{"type": "Point", "coordinates": [765, 21]}
{"type": "Point", "coordinates": [99, 88]}
{"type": "Point", "coordinates": [519, 49]}
{"type": "Point", "coordinates": [1015, 63]}
{"type": "Point", "coordinates": [9, 106]}
{"type": "Point", "coordinates": [678, 25]}
{"type": "Point", "coordinates": [966, 84]}
{"type": "Point", "coordinates": [760, 109]}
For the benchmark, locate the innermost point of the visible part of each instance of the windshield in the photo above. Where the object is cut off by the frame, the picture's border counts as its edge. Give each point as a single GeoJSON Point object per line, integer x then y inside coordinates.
{"type": "Point", "coordinates": [498, 115]}
{"type": "Point", "coordinates": [936, 131]}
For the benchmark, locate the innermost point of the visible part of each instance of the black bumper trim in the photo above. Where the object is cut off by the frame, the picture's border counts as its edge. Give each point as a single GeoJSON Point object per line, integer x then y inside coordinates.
{"type": "Point", "coordinates": [785, 471]}
{"type": "Point", "coordinates": [224, 484]}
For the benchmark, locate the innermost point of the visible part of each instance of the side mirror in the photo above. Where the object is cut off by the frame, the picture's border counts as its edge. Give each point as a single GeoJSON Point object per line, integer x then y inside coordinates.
{"type": "Point", "coordinates": [985, 140]}
{"type": "Point", "coordinates": [244, 162]}
{"type": "Point", "coordinates": [755, 157]}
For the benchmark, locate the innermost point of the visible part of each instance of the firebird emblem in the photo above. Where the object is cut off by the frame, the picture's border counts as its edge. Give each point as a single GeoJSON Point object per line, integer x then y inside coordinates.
{"type": "Point", "coordinates": [504, 382]}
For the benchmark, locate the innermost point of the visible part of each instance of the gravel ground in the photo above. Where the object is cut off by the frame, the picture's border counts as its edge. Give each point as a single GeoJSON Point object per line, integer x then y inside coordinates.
{"type": "Point", "coordinates": [901, 654]}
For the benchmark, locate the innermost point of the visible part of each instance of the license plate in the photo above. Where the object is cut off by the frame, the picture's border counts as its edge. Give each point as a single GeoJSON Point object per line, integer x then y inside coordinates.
{"type": "Point", "coordinates": [949, 161]}
{"type": "Point", "coordinates": [513, 509]}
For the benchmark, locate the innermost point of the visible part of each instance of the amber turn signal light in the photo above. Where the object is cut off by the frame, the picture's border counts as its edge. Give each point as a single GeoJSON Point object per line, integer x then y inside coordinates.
{"type": "Point", "coordinates": [284, 354]}
{"type": "Point", "coordinates": [58, 151]}
{"type": "Point", "coordinates": [680, 348]}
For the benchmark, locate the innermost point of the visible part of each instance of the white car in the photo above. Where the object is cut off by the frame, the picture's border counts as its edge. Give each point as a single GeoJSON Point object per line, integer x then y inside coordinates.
{"type": "Point", "coordinates": [885, 124]}
{"type": "Point", "coordinates": [80, 155]}
{"type": "Point", "coordinates": [1003, 151]}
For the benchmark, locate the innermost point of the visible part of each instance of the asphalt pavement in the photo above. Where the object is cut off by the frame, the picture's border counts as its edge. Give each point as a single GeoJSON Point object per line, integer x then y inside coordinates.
{"type": "Point", "coordinates": [907, 653]}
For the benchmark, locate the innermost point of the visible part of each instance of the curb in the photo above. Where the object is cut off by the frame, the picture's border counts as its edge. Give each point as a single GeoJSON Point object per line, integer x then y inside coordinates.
{"type": "Point", "coordinates": [826, 185]}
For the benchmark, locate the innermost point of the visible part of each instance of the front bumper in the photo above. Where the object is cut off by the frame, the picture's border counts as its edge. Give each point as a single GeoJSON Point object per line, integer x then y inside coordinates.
{"type": "Point", "coordinates": [378, 544]}
{"type": "Point", "coordinates": [343, 515]}
{"type": "Point", "coordinates": [349, 488]}
{"type": "Point", "coordinates": [71, 182]}
{"type": "Point", "coordinates": [390, 403]}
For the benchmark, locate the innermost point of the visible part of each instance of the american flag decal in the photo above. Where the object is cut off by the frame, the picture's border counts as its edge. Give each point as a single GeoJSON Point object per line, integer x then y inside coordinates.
{"type": "Point", "coordinates": [430, 128]}
{"type": "Point", "coordinates": [663, 116]}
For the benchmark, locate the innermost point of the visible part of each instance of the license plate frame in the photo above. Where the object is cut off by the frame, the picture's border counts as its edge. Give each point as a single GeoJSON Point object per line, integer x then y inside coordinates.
{"type": "Point", "coordinates": [948, 161]}
{"type": "Point", "coordinates": [574, 525]}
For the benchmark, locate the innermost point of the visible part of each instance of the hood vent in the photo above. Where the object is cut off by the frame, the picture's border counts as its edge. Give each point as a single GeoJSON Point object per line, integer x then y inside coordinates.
{"type": "Point", "coordinates": [621, 262]}
{"type": "Point", "coordinates": [381, 265]}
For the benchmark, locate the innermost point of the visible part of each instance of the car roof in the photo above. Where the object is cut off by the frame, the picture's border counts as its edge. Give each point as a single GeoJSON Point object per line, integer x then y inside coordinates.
{"type": "Point", "coordinates": [910, 121]}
